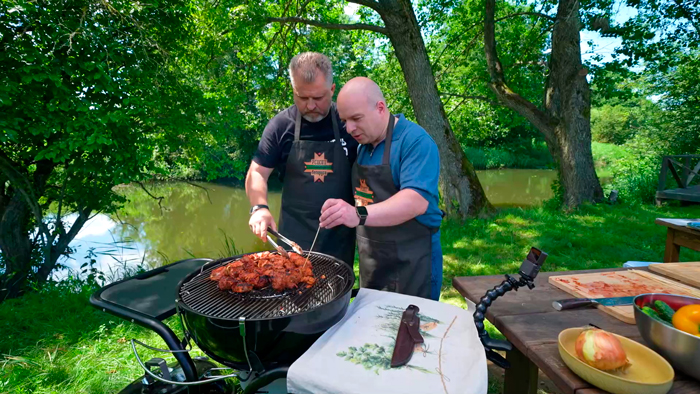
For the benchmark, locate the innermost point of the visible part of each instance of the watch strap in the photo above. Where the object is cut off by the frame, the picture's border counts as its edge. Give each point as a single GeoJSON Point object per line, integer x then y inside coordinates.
{"type": "Point", "coordinates": [362, 214]}
{"type": "Point", "coordinates": [259, 206]}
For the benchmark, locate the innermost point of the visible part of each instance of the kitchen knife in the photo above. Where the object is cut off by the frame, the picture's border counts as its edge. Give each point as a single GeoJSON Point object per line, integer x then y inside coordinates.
{"type": "Point", "coordinates": [572, 303]}
{"type": "Point", "coordinates": [407, 337]}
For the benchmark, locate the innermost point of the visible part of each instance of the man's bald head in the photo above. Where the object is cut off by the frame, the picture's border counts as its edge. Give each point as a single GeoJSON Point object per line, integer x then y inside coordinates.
{"type": "Point", "coordinates": [362, 106]}
{"type": "Point", "coordinates": [362, 87]}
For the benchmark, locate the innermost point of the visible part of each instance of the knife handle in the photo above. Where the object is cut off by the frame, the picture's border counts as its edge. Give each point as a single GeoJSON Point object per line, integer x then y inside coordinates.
{"type": "Point", "coordinates": [571, 303]}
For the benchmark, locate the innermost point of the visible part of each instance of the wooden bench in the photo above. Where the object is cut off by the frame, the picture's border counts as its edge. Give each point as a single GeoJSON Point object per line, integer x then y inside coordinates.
{"type": "Point", "coordinates": [684, 169]}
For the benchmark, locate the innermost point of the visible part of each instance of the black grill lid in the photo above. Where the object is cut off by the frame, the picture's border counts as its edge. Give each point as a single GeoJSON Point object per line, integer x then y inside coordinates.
{"type": "Point", "coordinates": [202, 295]}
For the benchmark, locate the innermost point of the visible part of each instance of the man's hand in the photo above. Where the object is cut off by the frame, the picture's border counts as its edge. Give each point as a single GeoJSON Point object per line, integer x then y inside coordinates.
{"type": "Point", "coordinates": [259, 221]}
{"type": "Point", "coordinates": [336, 212]}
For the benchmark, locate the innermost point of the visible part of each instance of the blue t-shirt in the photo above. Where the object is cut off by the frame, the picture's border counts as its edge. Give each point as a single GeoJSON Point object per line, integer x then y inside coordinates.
{"type": "Point", "coordinates": [415, 164]}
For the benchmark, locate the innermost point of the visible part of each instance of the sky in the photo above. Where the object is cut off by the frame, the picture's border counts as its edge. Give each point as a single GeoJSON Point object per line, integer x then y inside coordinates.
{"type": "Point", "coordinates": [592, 43]}
{"type": "Point", "coordinates": [605, 46]}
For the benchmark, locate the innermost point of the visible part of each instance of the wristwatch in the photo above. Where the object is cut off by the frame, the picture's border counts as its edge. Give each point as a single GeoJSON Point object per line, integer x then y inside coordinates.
{"type": "Point", "coordinates": [362, 214]}
{"type": "Point", "coordinates": [259, 206]}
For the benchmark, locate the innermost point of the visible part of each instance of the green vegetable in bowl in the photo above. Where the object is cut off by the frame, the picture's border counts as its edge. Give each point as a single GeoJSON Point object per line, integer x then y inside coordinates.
{"type": "Point", "coordinates": [665, 312]}
{"type": "Point", "coordinates": [649, 311]}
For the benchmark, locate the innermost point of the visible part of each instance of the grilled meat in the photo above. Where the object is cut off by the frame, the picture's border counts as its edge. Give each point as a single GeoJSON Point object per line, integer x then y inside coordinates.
{"type": "Point", "coordinates": [260, 270]}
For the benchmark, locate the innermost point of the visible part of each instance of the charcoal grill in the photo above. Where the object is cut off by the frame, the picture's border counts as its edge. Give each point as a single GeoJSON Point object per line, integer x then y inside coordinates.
{"type": "Point", "coordinates": [259, 334]}
{"type": "Point", "coordinates": [263, 329]}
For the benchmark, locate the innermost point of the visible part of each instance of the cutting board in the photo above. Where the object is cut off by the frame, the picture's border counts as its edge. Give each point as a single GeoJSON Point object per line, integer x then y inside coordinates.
{"type": "Point", "coordinates": [685, 272]}
{"type": "Point", "coordinates": [619, 284]}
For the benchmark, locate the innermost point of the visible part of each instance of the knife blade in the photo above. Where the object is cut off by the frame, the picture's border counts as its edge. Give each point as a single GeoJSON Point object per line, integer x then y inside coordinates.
{"type": "Point", "coordinates": [407, 337]}
{"type": "Point", "coordinates": [571, 303]}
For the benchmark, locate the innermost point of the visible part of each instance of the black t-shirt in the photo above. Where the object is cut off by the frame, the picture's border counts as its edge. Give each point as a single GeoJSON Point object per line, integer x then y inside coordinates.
{"type": "Point", "coordinates": [278, 136]}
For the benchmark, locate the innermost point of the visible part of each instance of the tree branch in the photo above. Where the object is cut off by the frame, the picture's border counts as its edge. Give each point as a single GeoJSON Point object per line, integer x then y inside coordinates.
{"type": "Point", "coordinates": [367, 3]}
{"type": "Point", "coordinates": [498, 84]}
{"type": "Point", "coordinates": [688, 14]}
{"type": "Point", "coordinates": [159, 199]}
{"type": "Point", "coordinates": [332, 26]}
{"type": "Point", "coordinates": [201, 187]}
{"type": "Point", "coordinates": [63, 241]}
{"type": "Point", "coordinates": [451, 40]}
{"type": "Point", "coordinates": [467, 97]}
{"type": "Point", "coordinates": [538, 14]}
{"type": "Point", "coordinates": [466, 49]}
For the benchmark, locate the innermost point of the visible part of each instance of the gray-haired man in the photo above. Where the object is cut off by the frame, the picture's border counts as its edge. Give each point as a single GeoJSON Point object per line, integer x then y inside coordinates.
{"type": "Point", "coordinates": [313, 154]}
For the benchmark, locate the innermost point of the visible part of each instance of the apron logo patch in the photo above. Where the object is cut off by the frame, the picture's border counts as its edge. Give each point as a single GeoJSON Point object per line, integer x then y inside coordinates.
{"type": "Point", "coordinates": [319, 167]}
{"type": "Point", "coordinates": [363, 194]}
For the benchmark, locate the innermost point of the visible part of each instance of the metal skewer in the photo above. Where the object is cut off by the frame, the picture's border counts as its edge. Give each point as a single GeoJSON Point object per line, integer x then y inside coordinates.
{"type": "Point", "coordinates": [312, 245]}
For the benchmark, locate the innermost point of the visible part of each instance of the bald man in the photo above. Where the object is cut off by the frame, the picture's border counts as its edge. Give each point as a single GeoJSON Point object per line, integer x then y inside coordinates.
{"type": "Point", "coordinates": [395, 183]}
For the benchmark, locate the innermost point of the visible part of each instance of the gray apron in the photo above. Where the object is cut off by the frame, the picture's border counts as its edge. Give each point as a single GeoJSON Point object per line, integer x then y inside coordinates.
{"type": "Point", "coordinates": [396, 258]}
{"type": "Point", "coordinates": [316, 171]}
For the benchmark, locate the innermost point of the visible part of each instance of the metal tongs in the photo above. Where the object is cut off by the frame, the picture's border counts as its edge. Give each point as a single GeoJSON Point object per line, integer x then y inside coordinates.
{"type": "Point", "coordinates": [284, 239]}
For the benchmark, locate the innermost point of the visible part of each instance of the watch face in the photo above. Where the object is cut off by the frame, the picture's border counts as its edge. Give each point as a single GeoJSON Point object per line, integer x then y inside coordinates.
{"type": "Point", "coordinates": [362, 211]}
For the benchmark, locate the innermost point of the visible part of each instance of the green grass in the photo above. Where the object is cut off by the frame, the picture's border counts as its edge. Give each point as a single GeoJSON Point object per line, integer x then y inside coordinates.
{"type": "Point", "coordinates": [605, 155]}
{"type": "Point", "coordinates": [599, 236]}
{"type": "Point", "coordinates": [54, 342]}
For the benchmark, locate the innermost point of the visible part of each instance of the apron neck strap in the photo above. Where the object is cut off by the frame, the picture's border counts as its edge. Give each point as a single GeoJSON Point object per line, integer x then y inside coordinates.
{"type": "Point", "coordinates": [336, 130]}
{"type": "Point", "coordinates": [297, 125]}
{"type": "Point", "coordinates": [387, 139]}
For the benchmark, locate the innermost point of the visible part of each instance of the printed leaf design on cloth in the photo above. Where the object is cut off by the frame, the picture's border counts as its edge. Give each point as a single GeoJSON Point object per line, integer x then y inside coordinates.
{"type": "Point", "coordinates": [374, 357]}
{"type": "Point", "coordinates": [377, 358]}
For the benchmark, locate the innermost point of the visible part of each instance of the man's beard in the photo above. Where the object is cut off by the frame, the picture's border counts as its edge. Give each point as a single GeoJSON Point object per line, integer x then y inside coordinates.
{"type": "Point", "coordinates": [313, 117]}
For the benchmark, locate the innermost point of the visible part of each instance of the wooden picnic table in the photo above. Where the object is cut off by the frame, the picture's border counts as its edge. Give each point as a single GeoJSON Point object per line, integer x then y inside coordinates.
{"type": "Point", "coordinates": [529, 322]}
{"type": "Point", "coordinates": [677, 235]}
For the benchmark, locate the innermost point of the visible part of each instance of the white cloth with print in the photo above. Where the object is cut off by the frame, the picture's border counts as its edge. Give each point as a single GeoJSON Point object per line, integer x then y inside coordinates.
{"type": "Point", "coordinates": [353, 357]}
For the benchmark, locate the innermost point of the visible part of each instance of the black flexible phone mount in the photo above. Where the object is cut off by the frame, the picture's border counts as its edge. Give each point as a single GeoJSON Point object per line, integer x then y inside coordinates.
{"type": "Point", "coordinates": [528, 271]}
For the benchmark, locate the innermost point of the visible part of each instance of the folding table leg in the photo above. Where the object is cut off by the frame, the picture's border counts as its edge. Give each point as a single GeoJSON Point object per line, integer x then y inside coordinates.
{"type": "Point", "coordinates": [521, 377]}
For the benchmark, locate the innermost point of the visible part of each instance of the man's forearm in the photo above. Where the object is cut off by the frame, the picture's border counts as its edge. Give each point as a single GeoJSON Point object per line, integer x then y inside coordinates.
{"type": "Point", "coordinates": [400, 208]}
{"type": "Point", "coordinates": [256, 188]}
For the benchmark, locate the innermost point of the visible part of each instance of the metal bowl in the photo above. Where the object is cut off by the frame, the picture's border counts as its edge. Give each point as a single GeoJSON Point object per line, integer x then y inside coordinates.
{"type": "Point", "coordinates": [681, 349]}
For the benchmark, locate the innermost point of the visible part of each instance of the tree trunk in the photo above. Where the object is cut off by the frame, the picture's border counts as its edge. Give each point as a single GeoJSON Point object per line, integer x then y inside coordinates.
{"type": "Point", "coordinates": [59, 247]}
{"type": "Point", "coordinates": [565, 123]}
{"type": "Point", "coordinates": [461, 190]}
{"type": "Point", "coordinates": [568, 99]}
{"type": "Point", "coordinates": [15, 246]}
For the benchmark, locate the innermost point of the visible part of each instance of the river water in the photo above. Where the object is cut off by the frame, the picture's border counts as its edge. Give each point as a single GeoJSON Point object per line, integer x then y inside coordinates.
{"type": "Point", "coordinates": [205, 221]}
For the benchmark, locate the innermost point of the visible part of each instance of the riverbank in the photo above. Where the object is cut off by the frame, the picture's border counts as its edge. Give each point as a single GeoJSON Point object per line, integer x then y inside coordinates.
{"type": "Point", "coordinates": [54, 342]}
{"type": "Point", "coordinates": [537, 156]}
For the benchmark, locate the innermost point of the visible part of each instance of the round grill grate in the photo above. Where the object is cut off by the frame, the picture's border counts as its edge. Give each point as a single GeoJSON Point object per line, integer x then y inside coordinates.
{"type": "Point", "coordinates": [333, 279]}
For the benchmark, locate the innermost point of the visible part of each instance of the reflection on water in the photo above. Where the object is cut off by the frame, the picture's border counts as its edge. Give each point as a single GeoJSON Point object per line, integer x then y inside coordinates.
{"type": "Point", "coordinates": [517, 187]}
{"type": "Point", "coordinates": [194, 222]}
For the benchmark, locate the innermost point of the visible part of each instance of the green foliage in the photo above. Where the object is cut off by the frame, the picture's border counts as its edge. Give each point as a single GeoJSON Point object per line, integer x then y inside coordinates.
{"type": "Point", "coordinates": [606, 155]}
{"type": "Point", "coordinates": [613, 124]}
{"type": "Point", "coordinates": [457, 55]}
{"type": "Point", "coordinates": [89, 96]}
{"type": "Point", "coordinates": [527, 154]}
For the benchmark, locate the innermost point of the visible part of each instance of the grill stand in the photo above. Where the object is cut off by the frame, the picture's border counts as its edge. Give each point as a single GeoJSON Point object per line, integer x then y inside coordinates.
{"type": "Point", "coordinates": [132, 300]}
{"type": "Point", "coordinates": [107, 300]}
